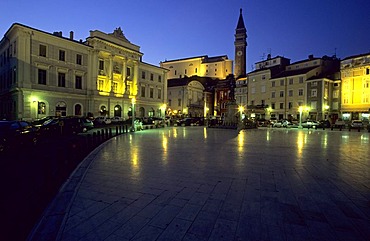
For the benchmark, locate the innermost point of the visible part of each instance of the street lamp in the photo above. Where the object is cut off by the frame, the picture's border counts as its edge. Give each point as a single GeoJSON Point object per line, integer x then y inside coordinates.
{"type": "Point", "coordinates": [133, 100]}
{"type": "Point", "coordinates": [301, 109]}
{"type": "Point", "coordinates": [241, 110]}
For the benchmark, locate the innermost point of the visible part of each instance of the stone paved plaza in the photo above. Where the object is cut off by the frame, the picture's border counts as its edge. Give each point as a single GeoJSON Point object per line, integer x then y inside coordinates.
{"type": "Point", "coordinates": [196, 183]}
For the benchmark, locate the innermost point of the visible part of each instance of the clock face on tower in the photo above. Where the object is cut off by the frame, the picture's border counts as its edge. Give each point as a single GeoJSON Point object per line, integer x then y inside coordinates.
{"type": "Point", "coordinates": [239, 53]}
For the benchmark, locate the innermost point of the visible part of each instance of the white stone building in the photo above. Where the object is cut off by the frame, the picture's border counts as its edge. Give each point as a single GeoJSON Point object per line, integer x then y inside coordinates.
{"type": "Point", "coordinates": [44, 74]}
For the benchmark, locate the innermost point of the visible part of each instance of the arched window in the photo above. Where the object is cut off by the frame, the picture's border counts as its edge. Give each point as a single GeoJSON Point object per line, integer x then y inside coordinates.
{"type": "Point", "coordinates": [41, 108]}
{"type": "Point", "coordinates": [103, 110]}
{"type": "Point", "coordinates": [78, 109]}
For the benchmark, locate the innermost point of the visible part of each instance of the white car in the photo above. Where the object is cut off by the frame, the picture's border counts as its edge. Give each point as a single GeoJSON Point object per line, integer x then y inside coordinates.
{"type": "Point", "coordinates": [117, 119]}
{"type": "Point", "coordinates": [102, 120]}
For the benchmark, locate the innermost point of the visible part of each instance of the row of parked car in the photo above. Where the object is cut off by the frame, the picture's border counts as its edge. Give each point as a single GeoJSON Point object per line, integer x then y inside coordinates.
{"type": "Point", "coordinates": [25, 134]}
{"type": "Point", "coordinates": [355, 124]}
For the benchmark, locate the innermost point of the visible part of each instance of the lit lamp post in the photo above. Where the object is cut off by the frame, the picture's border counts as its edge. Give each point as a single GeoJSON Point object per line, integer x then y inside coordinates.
{"type": "Point", "coordinates": [241, 110]}
{"type": "Point", "coordinates": [133, 100]}
{"type": "Point", "coordinates": [300, 109]}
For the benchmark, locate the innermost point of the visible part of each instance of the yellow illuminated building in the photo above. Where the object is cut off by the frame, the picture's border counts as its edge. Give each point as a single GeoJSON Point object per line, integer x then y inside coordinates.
{"type": "Point", "coordinates": [203, 66]}
{"type": "Point", "coordinates": [355, 75]}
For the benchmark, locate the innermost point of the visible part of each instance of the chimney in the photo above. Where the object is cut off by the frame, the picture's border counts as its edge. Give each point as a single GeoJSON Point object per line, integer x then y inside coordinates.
{"type": "Point", "coordinates": [71, 35]}
{"type": "Point", "coordinates": [310, 56]}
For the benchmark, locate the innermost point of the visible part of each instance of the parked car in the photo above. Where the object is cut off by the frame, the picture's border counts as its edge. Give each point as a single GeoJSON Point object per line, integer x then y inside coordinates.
{"type": "Point", "coordinates": [17, 134]}
{"type": "Point", "coordinates": [356, 124]}
{"type": "Point", "coordinates": [117, 120]}
{"type": "Point", "coordinates": [184, 122]}
{"type": "Point", "coordinates": [87, 124]}
{"type": "Point", "coordinates": [324, 124]}
{"type": "Point", "coordinates": [65, 126]}
{"type": "Point", "coordinates": [42, 120]}
{"type": "Point", "coordinates": [310, 124]}
{"type": "Point", "coordinates": [102, 120]}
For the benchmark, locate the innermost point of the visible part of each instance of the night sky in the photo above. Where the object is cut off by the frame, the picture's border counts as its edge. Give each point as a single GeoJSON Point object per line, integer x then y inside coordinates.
{"type": "Point", "coordinates": [172, 29]}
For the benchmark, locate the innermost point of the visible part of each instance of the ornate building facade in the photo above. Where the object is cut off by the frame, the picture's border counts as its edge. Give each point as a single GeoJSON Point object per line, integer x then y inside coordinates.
{"type": "Point", "coordinates": [355, 74]}
{"type": "Point", "coordinates": [44, 74]}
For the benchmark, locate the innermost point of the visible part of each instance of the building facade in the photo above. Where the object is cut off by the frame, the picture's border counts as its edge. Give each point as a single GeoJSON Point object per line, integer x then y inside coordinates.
{"type": "Point", "coordinates": [214, 67]}
{"type": "Point", "coordinates": [44, 74]}
{"type": "Point", "coordinates": [355, 75]}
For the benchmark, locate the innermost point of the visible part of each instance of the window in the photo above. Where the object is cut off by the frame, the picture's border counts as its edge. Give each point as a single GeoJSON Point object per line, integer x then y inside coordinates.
{"type": "Point", "coordinates": [41, 108]}
{"type": "Point", "coordinates": [151, 76]}
{"type": "Point", "coordinates": [62, 55]}
{"type": "Point", "coordinates": [101, 64]}
{"type": "Point", "coordinates": [263, 76]}
{"type": "Point", "coordinates": [151, 92]}
{"type": "Point", "coordinates": [178, 102]}
{"type": "Point", "coordinates": [313, 93]}
{"type": "Point", "coordinates": [196, 70]}
{"type": "Point", "coordinates": [291, 81]}
{"type": "Point", "coordinates": [263, 88]}
{"type": "Point", "coordinates": [300, 92]}
{"type": "Point", "coordinates": [159, 94]}
{"type": "Point", "coordinates": [175, 72]}
{"type": "Point", "coordinates": [301, 80]}
{"type": "Point", "coordinates": [42, 50]}
{"type": "Point", "coordinates": [78, 83]}
{"type": "Point", "coordinates": [290, 105]}
{"type": "Point", "coordinates": [314, 105]}
{"type": "Point", "coordinates": [100, 84]}
{"type": "Point", "coordinates": [290, 93]}
{"type": "Point", "coordinates": [273, 106]}
{"type": "Point", "coordinates": [281, 105]}
{"type": "Point", "coordinates": [273, 94]}
{"type": "Point", "coordinates": [367, 70]}
{"type": "Point", "coordinates": [142, 91]}
{"type": "Point", "coordinates": [335, 93]}
{"type": "Point", "coordinates": [143, 74]}
{"type": "Point", "coordinates": [281, 94]}
{"type": "Point", "coordinates": [78, 109]}
{"type": "Point", "coordinates": [272, 83]}
{"type": "Point", "coordinates": [115, 87]}
{"type": "Point", "coordinates": [253, 90]}
{"type": "Point", "coordinates": [314, 83]}
{"type": "Point", "coordinates": [128, 71]}
{"type": "Point", "coordinates": [42, 77]}
{"type": "Point", "coordinates": [170, 102]}
{"type": "Point", "coordinates": [79, 59]}
{"type": "Point", "coordinates": [282, 82]}
{"type": "Point", "coordinates": [159, 78]}
{"type": "Point", "coordinates": [61, 80]}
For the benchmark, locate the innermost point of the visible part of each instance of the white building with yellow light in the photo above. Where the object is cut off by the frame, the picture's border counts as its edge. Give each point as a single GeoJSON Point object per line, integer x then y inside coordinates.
{"type": "Point", "coordinates": [355, 75]}
{"type": "Point", "coordinates": [44, 74]}
{"type": "Point", "coordinates": [214, 67]}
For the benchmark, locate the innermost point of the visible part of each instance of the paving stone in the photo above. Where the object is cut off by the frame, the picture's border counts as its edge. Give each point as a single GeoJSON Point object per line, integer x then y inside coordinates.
{"type": "Point", "coordinates": [264, 184]}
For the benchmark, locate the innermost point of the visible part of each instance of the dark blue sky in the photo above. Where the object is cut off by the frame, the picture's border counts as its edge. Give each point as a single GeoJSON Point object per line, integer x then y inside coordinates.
{"type": "Point", "coordinates": [168, 29]}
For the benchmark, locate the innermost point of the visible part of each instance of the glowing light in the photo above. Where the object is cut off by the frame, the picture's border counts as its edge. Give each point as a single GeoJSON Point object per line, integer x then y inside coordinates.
{"type": "Point", "coordinates": [103, 93]}
{"type": "Point", "coordinates": [205, 133]}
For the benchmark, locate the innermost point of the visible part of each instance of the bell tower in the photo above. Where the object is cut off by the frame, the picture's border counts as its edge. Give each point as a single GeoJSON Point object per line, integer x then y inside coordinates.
{"type": "Point", "coordinates": [240, 44]}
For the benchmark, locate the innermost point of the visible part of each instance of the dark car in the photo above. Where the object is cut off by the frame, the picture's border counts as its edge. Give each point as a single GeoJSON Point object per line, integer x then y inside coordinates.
{"type": "Point", "coordinates": [15, 134]}
{"type": "Point", "coordinates": [65, 126]}
{"type": "Point", "coordinates": [185, 122]}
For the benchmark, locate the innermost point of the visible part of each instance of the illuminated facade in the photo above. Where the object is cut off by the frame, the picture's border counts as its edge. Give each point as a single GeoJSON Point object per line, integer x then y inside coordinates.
{"type": "Point", "coordinates": [190, 97]}
{"type": "Point", "coordinates": [277, 89]}
{"type": "Point", "coordinates": [355, 75]}
{"type": "Point", "coordinates": [259, 86]}
{"type": "Point", "coordinates": [214, 67]}
{"type": "Point", "coordinates": [43, 74]}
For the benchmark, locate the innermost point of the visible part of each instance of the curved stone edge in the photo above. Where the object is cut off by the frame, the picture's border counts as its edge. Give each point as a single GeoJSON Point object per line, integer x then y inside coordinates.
{"type": "Point", "coordinates": [53, 217]}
